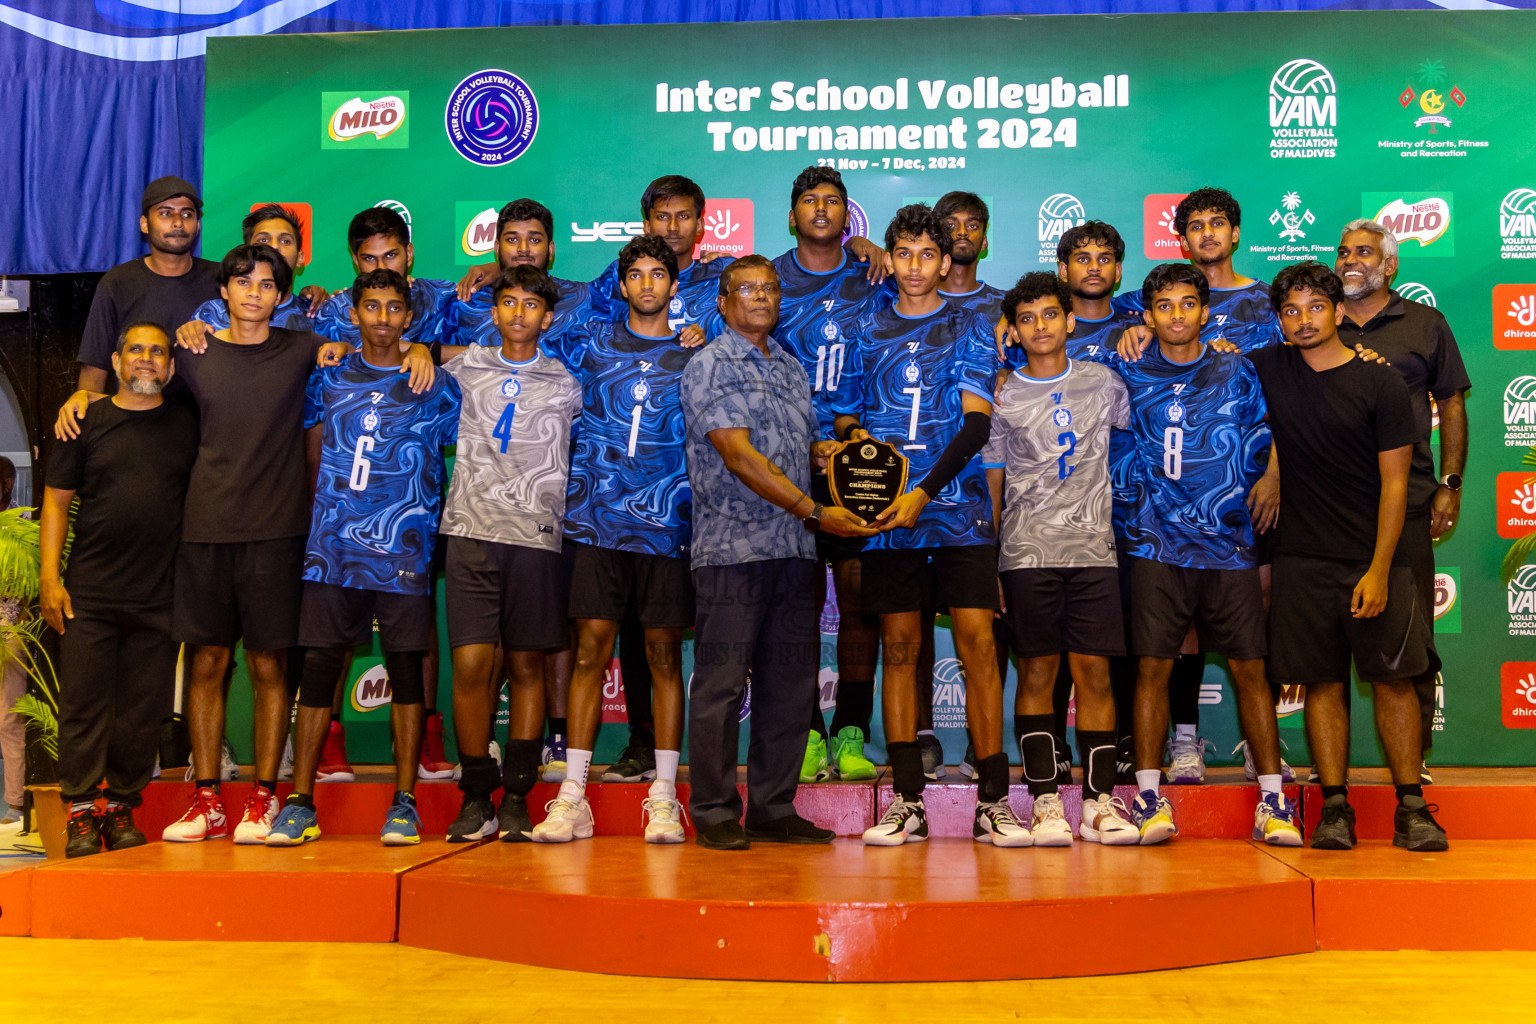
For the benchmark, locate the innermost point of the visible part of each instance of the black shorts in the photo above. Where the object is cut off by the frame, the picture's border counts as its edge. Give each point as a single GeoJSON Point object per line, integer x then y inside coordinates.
{"type": "Point", "coordinates": [1313, 636]}
{"type": "Point", "coordinates": [336, 616]}
{"type": "Point", "coordinates": [832, 549]}
{"type": "Point", "coordinates": [1226, 607]}
{"type": "Point", "coordinates": [1054, 610]}
{"type": "Point", "coordinates": [911, 579]}
{"type": "Point", "coordinates": [506, 594]}
{"type": "Point", "coordinates": [244, 591]}
{"type": "Point", "coordinates": [606, 583]}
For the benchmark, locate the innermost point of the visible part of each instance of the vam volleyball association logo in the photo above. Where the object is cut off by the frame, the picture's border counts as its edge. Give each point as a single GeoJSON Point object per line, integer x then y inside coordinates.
{"type": "Point", "coordinates": [491, 117]}
{"type": "Point", "coordinates": [1303, 111]}
{"type": "Point", "coordinates": [1058, 214]}
{"type": "Point", "coordinates": [1517, 225]}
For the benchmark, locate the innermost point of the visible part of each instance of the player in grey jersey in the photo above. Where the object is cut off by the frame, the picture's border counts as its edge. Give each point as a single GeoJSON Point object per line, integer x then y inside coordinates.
{"type": "Point", "coordinates": [506, 580]}
{"type": "Point", "coordinates": [1048, 467]}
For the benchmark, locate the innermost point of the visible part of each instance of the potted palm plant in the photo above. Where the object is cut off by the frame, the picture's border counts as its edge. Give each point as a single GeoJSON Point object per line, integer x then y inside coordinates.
{"type": "Point", "coordinates": [22, 642]}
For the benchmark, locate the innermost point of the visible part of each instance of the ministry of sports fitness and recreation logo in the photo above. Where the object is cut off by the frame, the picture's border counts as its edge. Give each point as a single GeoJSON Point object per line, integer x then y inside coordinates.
{"type": "Point", "coordinates": [1160, 240]}
{"type": "Point", "coordinates": [1520, 412]}
{"type": "Point", "coordinates": [1448, 599]}
{"type": "Point", "coordinates": [1413, 291]}
{"type": "Point", "coordinates": [476, 224]}
{"type": "Point", "coordinates": [1522, 602]}
{"type": "Point", "coordinates": [397, 206]}
{"type": "Point", "coordinates": [371, 690]}
{"type": "Point", "coordinates": [1430, 100]}
{"type": "Point", "coordinates": [1303, 111]}
{"type": "Point", "coordinates": [1517, 684]}
{"type": "Point", "coordinates": [727, 227]}
{"type": "Point", "coordinates": [370, 120]}
{"type": "Point", "coordinates": [1516, 504]}
{"type": "Point", "coordinates": [1292, 219]}
{"type": "Point", "coordinates": [1514, 316]}
{"type": "Point", "coordinates": [858, 221]}
{"type": "Point", "coordinates": [1517, 225]}
{"type": "Point", "coordinates": [1423, 222]}
{"type": "Point", "coordinates": [948, 694]}
{"type": "Point", "coordinates": [491, 117]}
{"type": "Point", "coordinates": [1059, 214]}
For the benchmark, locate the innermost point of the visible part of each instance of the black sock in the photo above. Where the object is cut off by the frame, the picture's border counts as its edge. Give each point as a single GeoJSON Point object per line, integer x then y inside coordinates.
{"type": "Point", "coordinates": [556, 727]}
{"type": "Point", "coordinates": [1403, 792]}
{"type": "Point", "coordinates": [642, 734]}
{"type": "Point", "coordinates": [855, 705]}
{"type": "Point", "coordinates": [906, 769]}
{"type": "Point", "coordinates": [270, 785]}
{"type": "Point", "coordinates": [1097, 751]}
{"type": "Point", "coordinates": [520, 767]}
{"type": "Point", "coordinates": [212, 784]}
{"type": "Point", "coordinates": [479, 778]}
{"type": "Point", "coordinates": [1342, 792]}
{"type": "Point", "coordinates": [1037, 749]}
{"type": "Point", "coordinates": [300, 799]}
{"type": "Point", "coordinates": [992, 778]}
{"type": "Point", "coordinates": [402, 797]}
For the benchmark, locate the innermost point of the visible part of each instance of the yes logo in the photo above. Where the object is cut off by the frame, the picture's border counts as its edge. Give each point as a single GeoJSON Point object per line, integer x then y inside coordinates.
{"type": "Point", "coordinates": [727, 227]}
{"type": "Point", "coordinates": [365, 120]}
{"type": "Point", "coordinates": [1517, 683]}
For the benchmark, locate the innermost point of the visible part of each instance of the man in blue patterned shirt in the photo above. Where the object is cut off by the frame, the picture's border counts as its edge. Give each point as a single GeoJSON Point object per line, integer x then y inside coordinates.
{"type": "Point", "coordinates": [380, 238]}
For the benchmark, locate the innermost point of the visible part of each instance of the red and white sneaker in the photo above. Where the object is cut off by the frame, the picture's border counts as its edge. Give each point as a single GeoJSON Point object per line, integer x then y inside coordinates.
{"type": "Point", "coordinates": [334, 766]}
{"type": "Point", "coordinates": [434, 762]}
{"type": "Point", "coordinates": [256, 822]}
{"type": "Point", "coordinates": [205, 819]}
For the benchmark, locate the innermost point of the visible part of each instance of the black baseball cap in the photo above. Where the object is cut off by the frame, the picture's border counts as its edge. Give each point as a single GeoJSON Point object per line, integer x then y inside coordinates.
{"type": "Point", "coordinates": [169, 187]}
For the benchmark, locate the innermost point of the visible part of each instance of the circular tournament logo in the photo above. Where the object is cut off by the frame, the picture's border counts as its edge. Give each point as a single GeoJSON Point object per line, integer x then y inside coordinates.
{"type": "Point", "coordinates": [858, 222]}
{"type": "Point", "coordinates": [491, 118]}
{"type": "Point", "coordinates": [829, 331]}
{"type": "Point", "coordinates": [867, 452]}
{"type": "Point", "coordinates": [912, 373]}
{"type": "Point", "coordinates": [371, 420]}
{"type": "Point", "coordinates": [1062, 417]}
{"type": "Point", "coordinates": [1175, 412]}
{"type": "Point", "coordinates": [640, 390]}
{"type": "Point", "coordinates": [511, 387]}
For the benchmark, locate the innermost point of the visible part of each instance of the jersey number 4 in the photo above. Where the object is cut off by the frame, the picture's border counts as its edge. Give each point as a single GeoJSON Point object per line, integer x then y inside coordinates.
{"type": "Point", "coordinates": [503, 429]}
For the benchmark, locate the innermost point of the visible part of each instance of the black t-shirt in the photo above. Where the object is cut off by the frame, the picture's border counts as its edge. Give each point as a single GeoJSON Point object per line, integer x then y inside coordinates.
{"type": "Point", "coordinates": [131, 291]}
{"type": "Point", "coordinates": [249, 481]}
{"type": "Point", "coordinates": [1329, 428]}
{"type": "Point", "coordinates": [129, 471]}
{"type": "Point", "coordinates": [1417, 341]}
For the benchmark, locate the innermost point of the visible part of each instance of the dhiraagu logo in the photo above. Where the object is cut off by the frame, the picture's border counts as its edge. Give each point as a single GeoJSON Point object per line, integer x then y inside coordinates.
{"type": "Point", "coordinates": [365, 120]}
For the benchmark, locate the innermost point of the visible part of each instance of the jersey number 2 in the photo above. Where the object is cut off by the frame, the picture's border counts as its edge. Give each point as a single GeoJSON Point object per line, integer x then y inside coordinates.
{"type": "Point", "coordinates": [1069, 440]}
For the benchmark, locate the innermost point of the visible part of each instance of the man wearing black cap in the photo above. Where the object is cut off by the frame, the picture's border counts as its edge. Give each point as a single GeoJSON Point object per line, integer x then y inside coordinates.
{"type": "Point", "coordinates": [163, 287]}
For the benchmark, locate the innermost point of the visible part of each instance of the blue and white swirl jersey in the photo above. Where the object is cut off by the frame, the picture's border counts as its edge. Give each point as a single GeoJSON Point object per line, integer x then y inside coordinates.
{"type": "Point", "coordinates": [290, 314]}
{"type": "Point", "coordinates": [629, 475]}
{"type": "Point", "coordinates": [430, 301]}
{"type": "Point", "coordinates": [381, 475]}
{"type": "Point", "coordinates": [1242, 316]}
{"type": "Point", "coordinates": [904, 379]}
{"type": "Point", "coordinates": [470, 323]}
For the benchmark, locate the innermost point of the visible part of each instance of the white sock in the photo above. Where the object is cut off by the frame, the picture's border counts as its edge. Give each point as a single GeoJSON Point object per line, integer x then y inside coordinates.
{"type": "Point", "coordinates": [1185, 733]}
{"type": "Point", "coordinates": [577, 764]}
{"type": "Point", "coordinates": [1269, 783]}
{"type": "Point", "coordinates": [666, 765]}
{"type": "Point", "coordinates": [1152, 780]}
{"type": "Point", "coordinates": [925, 732]}
{"type": "Point", "coordinates": [663, 787]}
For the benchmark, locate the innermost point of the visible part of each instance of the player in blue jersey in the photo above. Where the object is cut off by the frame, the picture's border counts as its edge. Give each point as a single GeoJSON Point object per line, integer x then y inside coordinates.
{"type": "Point", "coordinates": [920, 375]}
{"type": "Point", "coordinates": [1209, 224]}
{"type": "Point", "coordinates": [380, 238]}
{"type": "Point", "coordinates": [966, 216]}
{"type": "Point", "coordinates": [628, 515]}
{"type": "Point", "coordinates": [281, 228]}
{"type": "Point", "coordinates": [379, 447]}
{"type": "Point", "coordinates": [1197, 421]}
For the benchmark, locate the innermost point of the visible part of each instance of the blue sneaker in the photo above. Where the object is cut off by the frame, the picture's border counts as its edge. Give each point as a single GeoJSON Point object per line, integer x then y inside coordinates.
{"type": "Point", "coordinates": [295, 826]}
{"type": "Point", "coordinates": [553, 769]}
{"type": "Point", "coordinates": [402, 825]}
{"type": "Point", "coordinates": [1153, 817]}
{"type": "Point", "coordinates": [1274, 821]}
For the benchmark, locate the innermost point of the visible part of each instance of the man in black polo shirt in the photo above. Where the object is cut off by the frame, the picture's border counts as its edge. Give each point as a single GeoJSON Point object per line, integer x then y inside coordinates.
{"type": "Point", "coordinates": [1343, 586]}
{"type": "Point", "coordinates": [1416, 340]}
{"type": "Point", "coordinates": [163, 287]}
{"type": "Point", "coordinates": [129, 468]}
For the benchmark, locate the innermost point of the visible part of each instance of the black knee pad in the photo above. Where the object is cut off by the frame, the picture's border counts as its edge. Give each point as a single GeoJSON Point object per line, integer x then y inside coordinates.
{"type": "Point", "coordinates": [405, 683]}
{"type": "Point", "coordinates": [322, 667]}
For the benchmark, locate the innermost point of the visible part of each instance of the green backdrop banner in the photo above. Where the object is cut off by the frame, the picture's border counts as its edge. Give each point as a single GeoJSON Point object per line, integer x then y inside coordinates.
{"type": "Point", "coordinates": [1311, 119]}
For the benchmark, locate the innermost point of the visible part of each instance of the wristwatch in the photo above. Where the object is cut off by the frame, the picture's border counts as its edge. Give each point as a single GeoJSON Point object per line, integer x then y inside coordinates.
{"type": "Point", "coordinates": [812, 522]}
{"type": "Point", "coordinates": [1451, 481]}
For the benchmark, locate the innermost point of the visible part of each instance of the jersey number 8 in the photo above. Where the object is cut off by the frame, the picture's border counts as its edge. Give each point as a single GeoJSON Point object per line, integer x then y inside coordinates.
{"type": "Point", "coordinates": [1173, 453]}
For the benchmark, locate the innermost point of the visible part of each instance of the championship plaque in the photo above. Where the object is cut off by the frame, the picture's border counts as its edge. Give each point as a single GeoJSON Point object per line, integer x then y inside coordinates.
{"type": "Point", "coordinates": [866, 476]}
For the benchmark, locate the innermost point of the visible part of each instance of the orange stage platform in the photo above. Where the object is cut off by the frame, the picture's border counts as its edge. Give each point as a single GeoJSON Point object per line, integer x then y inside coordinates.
{"type": "Point", "coordinates": [845, 912]}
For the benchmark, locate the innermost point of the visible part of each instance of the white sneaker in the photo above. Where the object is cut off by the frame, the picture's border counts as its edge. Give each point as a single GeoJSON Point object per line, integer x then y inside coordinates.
{"type": "Point", "coordinates": [1106, 821]}
{"type": "Point", "coordinates": [1048, 822]}
{"type": "Point", "coordinates": [228, 770]}
{"type": "Point", "coordinates": [905, 821]}
{"type": "Point", "coordinates": [255, 824]}
{"type": "Point", "coordinates": [1251, 771]}
{"type": "Point", "coordinates": [205, 819]}
{"type": "Point", "coordinates": [569, 816]}
{"type": "Point", "coordinates": [998, 825]}
{"type": "Point", "coordinates": [496, 754]}
{"type": "Point", "coordinates": [1186, 762]}
{"type": "Point", "coordinates": [663, 816]}
{"type": "Point", "coordinates": [285, 768]}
